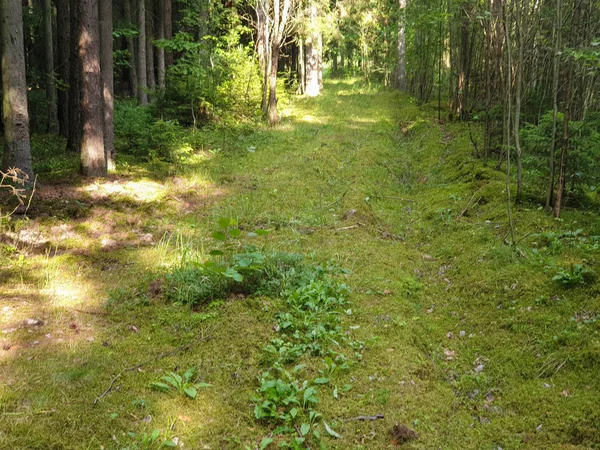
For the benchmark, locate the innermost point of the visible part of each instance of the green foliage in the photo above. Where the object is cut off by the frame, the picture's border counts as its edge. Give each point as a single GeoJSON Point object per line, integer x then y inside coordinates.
{"type": "Point", "coordinates": [570, 278]}
{"type": "Point", "coordinates": [183, 384]}
{"type": "Point", "coordinates": [148, 441]}
{"type": "Point", "coordinates": [139, 134]}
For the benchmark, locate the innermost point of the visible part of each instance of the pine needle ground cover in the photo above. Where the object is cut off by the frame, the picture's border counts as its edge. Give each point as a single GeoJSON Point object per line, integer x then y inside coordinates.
{"type": "Point", "coordinates": [362, 295]}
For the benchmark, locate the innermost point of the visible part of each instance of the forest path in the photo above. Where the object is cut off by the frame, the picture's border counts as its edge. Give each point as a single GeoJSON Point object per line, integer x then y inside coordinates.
{"type": "Point", "coordinates": [464, 354]}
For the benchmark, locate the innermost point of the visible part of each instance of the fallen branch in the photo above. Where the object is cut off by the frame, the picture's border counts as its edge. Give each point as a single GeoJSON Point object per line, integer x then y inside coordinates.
{"type": "Point", "coordinates": [138, 366]}
{"type": "Point", "coordinates": [365, 418]}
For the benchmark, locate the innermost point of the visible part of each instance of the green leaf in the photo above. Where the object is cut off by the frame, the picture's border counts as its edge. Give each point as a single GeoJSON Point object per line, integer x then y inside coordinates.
{"type": "Point", "coordinates": [160, 386]}
{"type": "Point", "coordinates": [203, 385]}
{"type": "Point", "coordinates": [187, 376]}
{"type": "Point", "coordinates": [265, 443]}
{"type": "Point", "coordinates": [304, 429]}
{"type": "Point", "coordinates": [191, 392]}
{"type": "Point", "coordinates": [331, 432]}
{"type": "Point", "coordinates": [223, 222]}
{"type": "Point", "coordinates": [293, 412]}
{"type": "Point", "coordinates": [219, 236]}
{"type": "Point", "coordinates": [234, 232]}
{"type": "Point", "coordinates": [170, 444]}
{"type": "Point", "coordinates": [154, 435]}
{"type": "Point", "coordinates": [262, 232]}
{"type": "Point", "coordinates": [216, 253]}
{"type": "Point", "coordinates": [316, 434]}
{"type": "Point", "coordinates": [321, 380]}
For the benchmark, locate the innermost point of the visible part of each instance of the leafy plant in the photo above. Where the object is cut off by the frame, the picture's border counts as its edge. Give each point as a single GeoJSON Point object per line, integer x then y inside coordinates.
{"type": "Point", "coordinates": [149, 441]}
{"type": "Point", "coordinates": [182, 384]}
{"type": "Point", "coordinates": [572, 277]}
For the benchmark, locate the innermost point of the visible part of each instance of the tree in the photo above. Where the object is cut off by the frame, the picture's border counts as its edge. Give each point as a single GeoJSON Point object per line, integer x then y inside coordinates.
{"type": "Point", "coordinates": [93, 158]}
{"type": "Point", "coordinates": [108, 91]}
{"type": "Point", "coordinates": [133, 79]}
{"type": "Point", "coordinates": [75, 76]}
{"type": "Point", "coordinates": [62, 46]}
{"type": "Point", "coordinates": [17, 146]}
{"type": "Point", "coordinates": [314, 50]}
{"type": "Point", "coordinates": [280, 18]}
{"type": "Point", "coordinates": [401, 69]}
{"type": "Point", "coordinates": [142, 94]}
{"type": "Point", "coordinates": [51, 93]}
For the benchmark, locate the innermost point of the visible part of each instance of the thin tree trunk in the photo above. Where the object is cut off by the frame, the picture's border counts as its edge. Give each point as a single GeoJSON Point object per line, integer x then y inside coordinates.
{"type": "Point", "coordinates": [51, 94]}
{"type": "Point", "coordinates": [107, 63]}
{"type": "Point", "coordinates": [320, 61]}
{"type": "Point", "coordinates": [150, 45]}
{"type": "Point", "coordinates": [93, 161]}
{"type": "Point", "coordinates": [141, 62]}
{"type": "Point", "coordinates": [508, 124]}
{"type": "Point", "coordinates": [75, 75]}
{"type": "Point", "coordinates": [301, 67]}
{"type": "Point", "coordinates": [168, 16]}
{"type": "Point", "coordinates": [133, 79]}
{"type": "Point", "coordinates": [312, 55]}
{"type": "Point", "coordinates": [556, 33]}
{"type": "Point", "coordinates": [160, 52]}
{"type": "Point", "coordinates": [401, 69]}
{"type": "Point", "coordinates": [62, 45]}
{"type": "Point", "coordinates": [262, 48]}
{"type": "Point", "coordinates": [521, 35]}
{"type": "Point", "coordinates": [273, 118]}
{"type": "Point", "coordinates": [17, 146]}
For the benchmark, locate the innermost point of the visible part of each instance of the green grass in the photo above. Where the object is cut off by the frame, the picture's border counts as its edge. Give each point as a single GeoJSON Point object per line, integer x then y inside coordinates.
{"type": "Point", "coordinates": [477, 346]}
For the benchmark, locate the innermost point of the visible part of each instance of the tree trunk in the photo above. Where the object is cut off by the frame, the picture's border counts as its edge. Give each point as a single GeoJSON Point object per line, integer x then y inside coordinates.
{"type": "Point", "coordinates": [75, 126]}
{"type": "Point", "coordinates": [107, 63]}
{"type": "Point", "coordinates": [168, 16]}
{"type": "Point", "coordinates": [301, 67]}
{"type": "Point", "coordinates": [556, 34]}
{"type": "Point", "coordinates": [312, 55]}
{"type": "Point", "coordinates": [142, 94]}
{"type": "Point", "coordinates": [133, 79]}
{"type": "Point", "coordinates": [17, 146]}
{"type": "Point", "coordinates": [160, 52]}
{"type": "Point", "coordinates": [401, 69]}
{"type": "Point", "coordinates": [62, 46]}
{"type": "Point", "coordinates": [93, 161]}
{"type": "Point", "coordinates": [51, 94]}
{"type": "Point", "coordinates": [273, 118]}
{"type": "Point", "coordinates": [150, 45]}
{"type": "Point", "coordinates": [320, 61]}
{"type": "Point", "coordinates": [521, 35]}
{"type": "Point", "coordinates": [262, 48]}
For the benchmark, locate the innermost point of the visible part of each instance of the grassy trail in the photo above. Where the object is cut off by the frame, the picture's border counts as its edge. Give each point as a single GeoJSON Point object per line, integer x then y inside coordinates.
{"type": "Point", "coordinates": [477, 348]}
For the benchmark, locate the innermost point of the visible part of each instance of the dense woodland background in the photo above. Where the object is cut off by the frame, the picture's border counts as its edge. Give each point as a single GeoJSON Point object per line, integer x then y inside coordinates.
{"type": "Point", "coordinates": [524, 74]}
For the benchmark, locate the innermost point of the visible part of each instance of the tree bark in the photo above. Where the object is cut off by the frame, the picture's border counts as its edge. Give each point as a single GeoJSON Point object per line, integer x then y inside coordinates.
{"type": "Point", "coordinates": [133, 79]}
{"type": "Point", "coordinates": [312, 55]}
{"type": "Point", "coordinates": [521, 35]}
{"type": "Point", "coordinates": [93, 160]}
{"type": "Point", "coordinates": [107, 67]}
{"type": "Point", "coordinates": [17, 146]}
{"type": "Point", "coordinates": [141, 62]}
{"type": "Point", "coordinates": [62, 45]}
{"type": "Point", "coordinates": [160, 52]}
{"type": "Point", "coordinates": [262, 48]}
{"type": "Point", "coordinates": [51, 94]}
{"type": "Point", "coordinates": [168, 15]}
{"type": "Point", "coordinates": [151, 78]}
{"type": "Point", "coordinates": [556, 34]}
{"type": "Point", "coordinates": [401, 69]}
{"type": "Point", "coordinates": [301, 67]}
{"type": "Point", "coordinates": [75, 126]}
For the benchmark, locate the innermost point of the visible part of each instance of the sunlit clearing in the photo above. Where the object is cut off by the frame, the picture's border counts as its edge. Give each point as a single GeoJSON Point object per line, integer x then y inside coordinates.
{"type": "Point", "coordinates": [142, 190]}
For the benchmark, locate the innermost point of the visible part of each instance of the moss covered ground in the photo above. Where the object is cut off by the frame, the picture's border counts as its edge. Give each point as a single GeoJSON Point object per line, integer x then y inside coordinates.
{"type": "Point", "coordinates": [471, 343]}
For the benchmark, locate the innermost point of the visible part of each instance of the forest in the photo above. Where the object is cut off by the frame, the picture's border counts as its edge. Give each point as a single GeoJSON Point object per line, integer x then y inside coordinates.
{"type": "Point", "coordinates": [300, 224]}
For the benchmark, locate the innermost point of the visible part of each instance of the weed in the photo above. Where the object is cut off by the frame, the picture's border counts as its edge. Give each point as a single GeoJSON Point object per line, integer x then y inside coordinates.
{"type": "Point", "coordinates": [183, 384]}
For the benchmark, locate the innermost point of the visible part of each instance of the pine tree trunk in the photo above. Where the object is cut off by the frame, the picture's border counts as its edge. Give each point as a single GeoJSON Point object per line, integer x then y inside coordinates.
{"type": "Point", "coordinates": [141, 62]}
{"type": "Point", "coordinates": [133, 79]}
{"type": "Point", "coordinates": [51, 94]}
{"type": "Point", "coordinates": [273, 118]}
{"type": "Point", "coordinates": [93, 160]}
{"type": "Point", "coordinates": [75, 125]}
{"type": "Point", "coordinates": [320, 61]}
{"type": "Point", "coordinates": [160, 52]}
{"type": "Point", "coordinates": [168, 15]}
{"type": "Point", "coordinates": [62, 45]}
{"type": "Point", "coordinates": [521, 33]}
{"type": "Point", "coordinates": [150, 45]}
{"type": "Point", "coordinates": [17, 146]}
{"type": "Point", "coordinates": [107, 63]}
{"type": "Point", "coordinates": [401, 69]}
{"type": "Point", "coordinates": [556, 34]}
{"type": "Point", "coordinates": [301, 67]}
{"type": "Point", "coordinates": [312, 55]}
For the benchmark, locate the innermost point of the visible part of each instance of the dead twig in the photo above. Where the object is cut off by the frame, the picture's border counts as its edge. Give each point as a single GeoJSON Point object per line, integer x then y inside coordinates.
{"type": "Point", "coordinates": [395, 198]}
{"type": "Point", "coordinates": [365, 418]}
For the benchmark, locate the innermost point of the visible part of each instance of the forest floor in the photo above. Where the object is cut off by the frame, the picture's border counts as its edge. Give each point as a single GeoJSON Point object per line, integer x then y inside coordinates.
{"type": "Point", "coordinates": [476, 346]}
